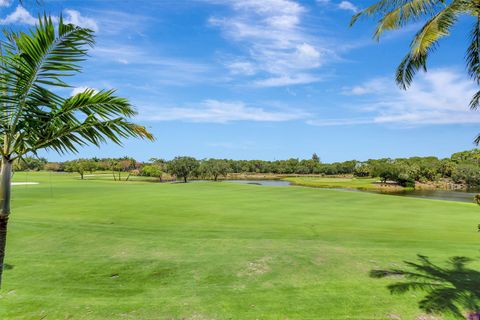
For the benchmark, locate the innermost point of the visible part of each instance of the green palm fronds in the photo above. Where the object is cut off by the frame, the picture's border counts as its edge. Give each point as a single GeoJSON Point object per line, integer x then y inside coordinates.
{"type": "Point", "coordinates": [439, 16]}
{"type": "Point", "coordinates": [33, 116]}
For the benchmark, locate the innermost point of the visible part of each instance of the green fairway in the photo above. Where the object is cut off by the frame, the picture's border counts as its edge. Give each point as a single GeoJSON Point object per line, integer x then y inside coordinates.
{"type": "Point", "coordinates": [99, 249]}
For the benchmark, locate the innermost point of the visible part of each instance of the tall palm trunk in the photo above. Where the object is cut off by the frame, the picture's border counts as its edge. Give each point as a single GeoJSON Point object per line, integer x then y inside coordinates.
{"type": "Point", "coordinates": [5, 190]}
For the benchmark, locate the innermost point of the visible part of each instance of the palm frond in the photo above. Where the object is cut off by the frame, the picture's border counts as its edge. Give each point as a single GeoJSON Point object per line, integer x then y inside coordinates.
{"type": "Point", "coordinates": [410, 11]}
{"type": "Point", "coordinates": [86, 118]}
{"type": "Point", "coordinates": [425, 42]}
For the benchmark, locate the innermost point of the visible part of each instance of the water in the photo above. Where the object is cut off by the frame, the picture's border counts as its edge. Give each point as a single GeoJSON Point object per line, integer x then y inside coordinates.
{"type": "Point", "coordinates": [267, 183]}
{"type": "Point", "coordinates": [449, 195]}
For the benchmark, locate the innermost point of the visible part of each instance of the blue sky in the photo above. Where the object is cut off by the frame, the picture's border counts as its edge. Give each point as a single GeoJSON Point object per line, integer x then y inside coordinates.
{"type": "Point", "coordinates": [270, 79]}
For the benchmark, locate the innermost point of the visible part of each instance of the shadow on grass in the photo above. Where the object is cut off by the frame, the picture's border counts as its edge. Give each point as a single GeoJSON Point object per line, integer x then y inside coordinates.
{"type": "Point", "coordinates": [453, 289]}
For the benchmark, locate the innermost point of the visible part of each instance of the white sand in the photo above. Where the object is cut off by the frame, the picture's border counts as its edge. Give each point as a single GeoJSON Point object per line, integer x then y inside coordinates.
{"type": "Point", "coordinates": [22, 183]}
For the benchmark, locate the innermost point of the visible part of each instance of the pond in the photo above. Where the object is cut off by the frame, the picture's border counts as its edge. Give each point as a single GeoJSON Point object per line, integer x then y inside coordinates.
{"type": "Point", "coordinates": [450, 195]}
{"type": "Point", "coordinates": [268, 183]}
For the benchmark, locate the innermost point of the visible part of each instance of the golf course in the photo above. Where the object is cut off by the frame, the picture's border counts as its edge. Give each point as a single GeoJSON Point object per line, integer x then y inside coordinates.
{"type": "Point", "coordinates": [104, 249]}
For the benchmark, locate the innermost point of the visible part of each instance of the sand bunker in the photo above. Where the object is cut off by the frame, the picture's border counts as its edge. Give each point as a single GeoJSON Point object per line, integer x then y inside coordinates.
{"type": "Point", "coordinates": [22, 183]}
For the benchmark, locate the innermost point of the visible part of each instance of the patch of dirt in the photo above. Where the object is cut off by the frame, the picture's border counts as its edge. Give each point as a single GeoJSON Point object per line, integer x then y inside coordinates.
{"type": "Point", "coordinates": [257, 267]}
{"type": "Point", "coordinates": [393, 316]}
{"type": "Point", "coordinates": [428, 317]}
{"type": "Point", "coordinates": [195, 316]}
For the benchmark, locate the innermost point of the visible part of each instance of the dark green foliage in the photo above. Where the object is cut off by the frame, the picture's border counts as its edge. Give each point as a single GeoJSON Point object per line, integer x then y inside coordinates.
{"type": "Point", "coordinates": [213, 168]}
{"type": "Point", "coordinates": [152, 170]}
{"type": "Point", "coordinates": [30, 164]}
{"type": "Point", "coordinates": [81, 166]}
{"type": "Point", "coordinates": [468, 174]}
{"type": "Point", "coordinates": [362, 170]}
{"type": "Point", "coordinates": [462, 167]}
{"type": "Point", "coordinates": [183, 167]}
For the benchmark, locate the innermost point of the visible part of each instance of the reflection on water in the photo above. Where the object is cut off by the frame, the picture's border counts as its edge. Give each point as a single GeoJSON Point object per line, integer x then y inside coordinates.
{"type": "Point", "coordinates": [450, 195]}
{"type": "Point", "coordinates": [267, 183]}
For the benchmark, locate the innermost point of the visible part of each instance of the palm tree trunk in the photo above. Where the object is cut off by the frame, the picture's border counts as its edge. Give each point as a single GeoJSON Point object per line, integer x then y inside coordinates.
{"type": "Point", "coordinates": [5, 190]}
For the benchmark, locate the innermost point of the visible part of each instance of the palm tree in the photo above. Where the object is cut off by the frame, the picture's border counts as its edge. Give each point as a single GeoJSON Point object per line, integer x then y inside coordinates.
{"type": "Point", "coordinates": [34, 117]}
{"type": "Point", "coordinates": [440, 16]}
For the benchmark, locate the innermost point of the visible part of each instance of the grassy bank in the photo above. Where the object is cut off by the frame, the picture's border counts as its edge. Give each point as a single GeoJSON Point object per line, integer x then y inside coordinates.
{"type": "Point", "coordinates": [98, 249]}
{"type": "Point", "coordinates": [344, 183]}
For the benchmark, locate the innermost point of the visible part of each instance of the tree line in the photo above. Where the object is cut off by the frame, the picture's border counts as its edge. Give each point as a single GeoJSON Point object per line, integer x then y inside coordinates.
{"type": "Point", "coordinates": [462, 167]}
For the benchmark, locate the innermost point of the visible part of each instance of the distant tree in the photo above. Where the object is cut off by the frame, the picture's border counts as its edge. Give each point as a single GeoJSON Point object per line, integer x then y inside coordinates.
{"type": "Point", "coordinates": [152, 170]}
{"type": "Point", "coordinates": [125, 164]}
{"type": "Point", "coordinates": [468, 174]}
{"type": "Point", "coordinates": [158, 161]}
{"type": "Point", "coordinates": [183, 167]}
{"type": "Point", "coordinates": [80, 166]}
{"type": "Point", "coordinates": [446, 168]}
{"type": "Point", "coordinates": [54, 166]}
{"type": "Point", "coordinates": [361, 170]}
{"type": "Point", "coordinates": [29, 164]}
{"type": "Point", "coordinates": [214, 168]}
{"type": "Point", "coordinates": [315, 158]}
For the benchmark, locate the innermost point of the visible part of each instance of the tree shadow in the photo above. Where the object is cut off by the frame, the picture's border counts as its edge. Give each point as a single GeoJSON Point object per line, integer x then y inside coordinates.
{"type": "Point", "coordinates": [453, 289]}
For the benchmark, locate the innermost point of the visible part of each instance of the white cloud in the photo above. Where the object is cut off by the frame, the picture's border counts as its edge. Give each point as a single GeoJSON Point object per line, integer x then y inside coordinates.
{"type": "Point", "coordinates": [440, 96]}
{"type": "Point", "coordinates": [22, 16]}
{"type": "Point", "coordinates": [126, 24]}
{"type": "Point", "coordinates": [158, 69]}
{"type": "Point", "coordinates": [5, 3]}
{"type": "Point", "coordinates": [215, 111]}
{"type": "Point", "coordinates": [242, 67]}
{"type": "Point", "coordinates": [339, 122]}
{"type": "Point", "coordinates": [286, 80]}
{"type": "Point", "coordinates": [347, 5]}
{"type": "Point", "coordinates": [371, 86]}
{"type": "Point", "coordinates": [78, 90]}
{"type": "Point", "coordinates": [74, 17]}
{"type": "Point", "coordinates": [19, 16]}
{"type": "Point", "coordinates": [274, 42]}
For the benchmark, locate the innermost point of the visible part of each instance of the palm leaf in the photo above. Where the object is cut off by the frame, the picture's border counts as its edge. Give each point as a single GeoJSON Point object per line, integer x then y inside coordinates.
{"type": "Point", "coordinates": [408, 12]}
{"type": "Point", "coordinates": [425, 42]}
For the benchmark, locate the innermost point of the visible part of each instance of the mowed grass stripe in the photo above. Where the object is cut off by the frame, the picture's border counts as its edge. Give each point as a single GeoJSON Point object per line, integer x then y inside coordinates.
{"type": "Point", "coordinates": [108, 250]}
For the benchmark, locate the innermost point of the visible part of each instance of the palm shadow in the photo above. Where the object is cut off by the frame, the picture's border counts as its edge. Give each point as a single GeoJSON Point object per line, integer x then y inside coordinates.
{"type": "Point", "coordinates": [453, 289]}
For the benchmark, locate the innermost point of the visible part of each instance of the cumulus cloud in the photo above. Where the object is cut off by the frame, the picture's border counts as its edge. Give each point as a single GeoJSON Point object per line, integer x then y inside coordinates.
{"type": "Point", "coordinates": [19, 16]}
{"type": "Point", "coordinates": [215, 111]}
{"type": "Point", "coordinates": [242, 67]}
{"type": "Point", "coordinates": [78, 90]}
{"type": "Point", "coordinates": [275, 44]}
{"type": "Point", "coordinates": [440, 96]}
{"type": "Point", "coordinates": [286, 80]}
{"type": "Point", "coordinates": [22, 16]}
{"type": "Point", "coordinates": [347, 5]}
{"type": "Point", "coordinates": [74, 17]}
{"type": "Point", "coordinates": [5, 3]}
{"type": "Point", "coordinates": [371, 86]}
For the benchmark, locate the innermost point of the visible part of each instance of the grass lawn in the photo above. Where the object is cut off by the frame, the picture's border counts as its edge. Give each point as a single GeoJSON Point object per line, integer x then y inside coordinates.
{"type": "Point", "coordinates": [98, 249]}
{"type": "Point", "coordinates": [347, 183]}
